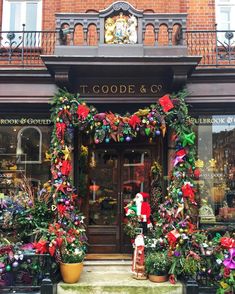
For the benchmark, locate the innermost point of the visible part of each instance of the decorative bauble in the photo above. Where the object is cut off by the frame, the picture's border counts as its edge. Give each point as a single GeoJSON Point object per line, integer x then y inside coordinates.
{"type": "Point", "coordinates": [1, 270]}
{"type": "Point", "coordinates": [15, 264]}
{"type": "Point", "coordinates": [29, 260]}
{"type": "Point", "coordinates": [147, 131]}
{"type": "Point", "coordinates": [8, 268]}
{"type": "Point", "coordinates": [96, 141]}
{"type": "Point", "coordinates": [67, 202]}
{"type": "Point", "coordinates": [107, 140]}
{"type": "Point", "coordinates": [128, 138]}
{"type": "Point", "coordinates": [158, 132]}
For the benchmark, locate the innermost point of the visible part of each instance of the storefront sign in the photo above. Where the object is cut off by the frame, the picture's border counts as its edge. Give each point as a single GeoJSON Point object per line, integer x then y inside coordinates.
{"type": "Point", "coordinates": [215, 120]}
{"type": "Point", "coordinates": [25, 121]}
{"type": "Point", "coordinates": [127, 87]}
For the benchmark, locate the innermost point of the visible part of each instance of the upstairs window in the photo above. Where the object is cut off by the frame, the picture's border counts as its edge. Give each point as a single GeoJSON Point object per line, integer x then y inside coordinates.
{"type": "Point", "coordinates": [225, 11]}
{"type": "Point", "coordinates": [17, 13]}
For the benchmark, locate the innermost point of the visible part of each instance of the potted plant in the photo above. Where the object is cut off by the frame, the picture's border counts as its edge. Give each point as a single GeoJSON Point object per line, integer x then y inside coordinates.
{"type": "Point", "coordinates": [157, 265]}
{"type": "Point", "coordinates": [67, 243]}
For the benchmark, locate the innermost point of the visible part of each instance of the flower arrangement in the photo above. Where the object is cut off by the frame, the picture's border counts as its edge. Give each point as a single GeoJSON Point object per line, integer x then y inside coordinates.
{"type": "Point", "coordinates": [66, 245]}
{"type": "Point", "coordinates": [157, 263]}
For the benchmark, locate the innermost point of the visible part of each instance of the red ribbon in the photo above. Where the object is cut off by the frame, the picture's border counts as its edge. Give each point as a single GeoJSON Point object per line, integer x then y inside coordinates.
{"type": "Point", "coordinates": [83, 111]}
{"type": "Point", "coordinates": [166, 103]}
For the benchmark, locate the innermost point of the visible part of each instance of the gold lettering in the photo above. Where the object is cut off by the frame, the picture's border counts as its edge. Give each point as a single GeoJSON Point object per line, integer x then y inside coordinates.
{"type": "Point", "coordinates": [96, 89]}
{"type": "Point", "coordinates": [83, 88]}
{"type": "Point", "coordinates": [123, 89]}
{"type": "Point", "coordinates": [114, 89]}
{"type": "Point", "coordinates": [131, 89]}
{"type": "Point", "coordinates": [155, 88]}
{"type": "Point", "coordinates": [105, 89]}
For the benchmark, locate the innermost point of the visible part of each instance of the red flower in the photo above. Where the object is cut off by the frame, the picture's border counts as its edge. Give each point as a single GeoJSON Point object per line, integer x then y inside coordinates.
{"type": "Point", "coordinates": [134, 120]}
{"type": "Point", "coordinates": [82, 111]}
{"type": "Point", "coordinates": [226, 272]}
{"type": "Point", "coordinates": [66, 167]}
{"type": "Point", "coordinates": [172, 279]}
{"type": "Point", "coordinates": [166, 103]}
{"type": "Point", "coordinates": [61, 209]}
{"type": "Point", "coordinates": [41, 246]}
{"type": "Point", "coordinates": [227, 242]}
{"type": "Point", "coordinates": [181, 152]}
{"type": "Point", "coordinates": [52, 250]}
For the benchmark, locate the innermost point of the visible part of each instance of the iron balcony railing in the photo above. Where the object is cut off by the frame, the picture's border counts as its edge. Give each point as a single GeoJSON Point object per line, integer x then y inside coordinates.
{"type": "Point", "coordinates": [24, 48]}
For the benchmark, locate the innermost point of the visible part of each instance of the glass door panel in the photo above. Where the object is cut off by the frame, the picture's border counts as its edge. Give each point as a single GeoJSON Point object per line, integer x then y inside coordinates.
{"type": "Point", "coordinates": [135, 173]}
{"type": "Point", "coordinates": [103, 187]}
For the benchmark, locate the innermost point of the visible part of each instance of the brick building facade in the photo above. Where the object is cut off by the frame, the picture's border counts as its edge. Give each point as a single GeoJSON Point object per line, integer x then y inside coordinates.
{"type": "Point", "coordinates": [63, 45]}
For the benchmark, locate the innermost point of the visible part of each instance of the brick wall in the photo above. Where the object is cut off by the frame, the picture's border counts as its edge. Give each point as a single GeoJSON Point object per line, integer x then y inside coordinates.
{"type": "Point", "coordinates": [201, 13]}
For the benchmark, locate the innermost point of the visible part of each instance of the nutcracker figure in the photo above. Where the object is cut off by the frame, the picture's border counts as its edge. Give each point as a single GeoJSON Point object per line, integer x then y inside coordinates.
{"type": "Point", "coordinates": [138, 268]}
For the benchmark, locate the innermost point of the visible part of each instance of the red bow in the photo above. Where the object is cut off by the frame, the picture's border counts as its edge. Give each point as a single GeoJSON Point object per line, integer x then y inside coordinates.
{"type": "Point", "coordinates": [134, 120]}
{"type": "Point", "coordinates": [41, 246]}
{"type": "Point", "coordinates": [166, 103]}
{"type": "Point", "coordinates": [82, 111]}
{"type": "Point", "coordinates": [60, 129]}
{"type": "Point", "coordinates": [172, 237]}
{"type": "Point", "coordinates": [66, 167]}
{"type": "Point", "coordinates": [227, 242]}
{"type": "Point", "coordinates": [189, 192]}
{"type": "Point", "coordinates": [181, 153]}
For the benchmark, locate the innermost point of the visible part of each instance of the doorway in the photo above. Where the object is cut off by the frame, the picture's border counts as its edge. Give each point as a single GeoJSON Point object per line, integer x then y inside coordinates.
{"type": "Point", "coordinates": [117, 173]}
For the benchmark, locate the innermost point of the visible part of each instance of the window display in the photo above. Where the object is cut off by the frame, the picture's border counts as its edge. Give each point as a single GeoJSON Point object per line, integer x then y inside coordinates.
{"type": "Point", "coordinates": [216, 160]}
{"type": "Point", "coordinates": [23, 153]}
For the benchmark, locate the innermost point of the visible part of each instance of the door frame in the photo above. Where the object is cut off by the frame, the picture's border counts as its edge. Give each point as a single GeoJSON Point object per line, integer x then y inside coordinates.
{"type": "Point", "coordinates": [116, 231]}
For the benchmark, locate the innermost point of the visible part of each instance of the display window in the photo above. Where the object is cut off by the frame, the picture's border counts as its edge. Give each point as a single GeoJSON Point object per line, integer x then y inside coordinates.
{"type": "Point", "coordinates": [216, 162]}
{"type": "Point", "coordinates": [24, 154]}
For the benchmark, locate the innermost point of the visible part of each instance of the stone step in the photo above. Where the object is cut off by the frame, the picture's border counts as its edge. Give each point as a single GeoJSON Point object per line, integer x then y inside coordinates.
{"type": "Point", "coordinates": [116, 283]}
{"type": "Point", "coordinates": [107, 266]}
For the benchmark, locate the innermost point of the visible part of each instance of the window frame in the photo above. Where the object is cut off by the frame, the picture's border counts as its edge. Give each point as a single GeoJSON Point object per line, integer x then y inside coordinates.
{"type": "Point", "coordinates": [7, 12]}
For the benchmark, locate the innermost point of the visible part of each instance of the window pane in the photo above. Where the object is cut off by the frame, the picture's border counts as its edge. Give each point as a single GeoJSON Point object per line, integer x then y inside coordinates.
{"type": "Point", "coordinates": [31, 16]}
{"type": "Point", "coordinates": [15, 17]}
{"type": "Point", "coordinates": [11, 166]}
{"type": "Point", "coordinates": [216, 159]}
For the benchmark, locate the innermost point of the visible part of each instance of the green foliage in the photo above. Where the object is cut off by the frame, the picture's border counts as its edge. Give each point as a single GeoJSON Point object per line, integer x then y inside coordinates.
{"type": "Point", "coordinates": [157, 263]}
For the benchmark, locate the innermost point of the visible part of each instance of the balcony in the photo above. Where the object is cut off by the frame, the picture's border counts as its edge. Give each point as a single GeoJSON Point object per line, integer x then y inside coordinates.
{"type": "Point", "coordinates": [79, 38]}
{"type": "Point", "coordinates": [25, 48]}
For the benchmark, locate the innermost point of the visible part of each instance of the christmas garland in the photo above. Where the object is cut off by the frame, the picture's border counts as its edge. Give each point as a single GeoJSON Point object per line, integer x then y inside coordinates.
{"type": "Point", "coordinates": [70, 112]}
{"type": "Point", "coordinates": [66, 236]}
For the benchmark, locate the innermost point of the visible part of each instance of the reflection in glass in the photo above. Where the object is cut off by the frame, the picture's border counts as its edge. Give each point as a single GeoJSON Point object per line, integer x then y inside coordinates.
{"type": "Point", "coordinates": [216, 159]}
{"type": "Point", "coordinates": [103, 188]}
{"type": "Point", "coordinates": [135, 173]}
{"type": "Point", "coordinates": [29, 143]}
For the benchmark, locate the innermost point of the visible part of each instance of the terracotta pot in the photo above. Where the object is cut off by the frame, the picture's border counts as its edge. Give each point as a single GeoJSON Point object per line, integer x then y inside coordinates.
{"type": "Point", "coordinates": [71, 272]}
{"type": "Point", "coordinates": [158, 279]}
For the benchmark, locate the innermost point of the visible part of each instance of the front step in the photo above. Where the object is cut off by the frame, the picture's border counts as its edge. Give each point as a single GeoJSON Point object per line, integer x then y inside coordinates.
{"type": "Point", "coordinates": [116, 283]}
{"type": "Point", "coordinates": [108, 275]}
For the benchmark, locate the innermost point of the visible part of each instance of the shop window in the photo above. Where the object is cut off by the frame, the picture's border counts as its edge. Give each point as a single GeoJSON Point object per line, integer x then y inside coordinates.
{"type": "Point", "coordinates": [216, 161]}
{"type": "Point", "coordinates": [29, 143]}
{"type": "Point", "coordinates": [23, 153]}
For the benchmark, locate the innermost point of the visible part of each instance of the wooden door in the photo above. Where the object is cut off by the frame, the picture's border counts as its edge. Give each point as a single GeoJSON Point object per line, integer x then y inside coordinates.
{"type": "Point", "coordinates": [117, 173]}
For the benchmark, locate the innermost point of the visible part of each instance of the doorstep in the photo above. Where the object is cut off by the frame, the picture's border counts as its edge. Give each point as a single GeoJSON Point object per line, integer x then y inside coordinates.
{"type": "Point", "coordinates": [98, 282]}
